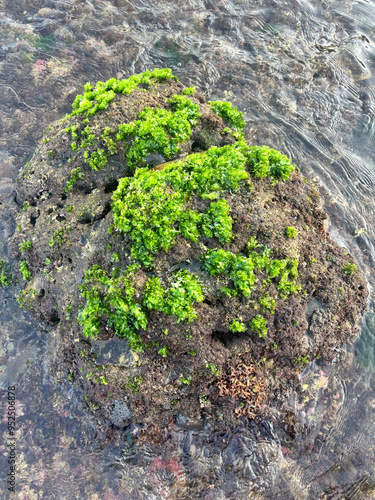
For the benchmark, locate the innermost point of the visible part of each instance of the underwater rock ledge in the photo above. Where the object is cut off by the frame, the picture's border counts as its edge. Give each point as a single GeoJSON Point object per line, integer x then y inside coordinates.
{"type": "Point", "coordinates": [187, 273]}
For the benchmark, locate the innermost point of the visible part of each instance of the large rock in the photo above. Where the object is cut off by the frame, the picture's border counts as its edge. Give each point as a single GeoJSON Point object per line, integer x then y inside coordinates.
{"type": "Point", "coordinates": [196, 344]}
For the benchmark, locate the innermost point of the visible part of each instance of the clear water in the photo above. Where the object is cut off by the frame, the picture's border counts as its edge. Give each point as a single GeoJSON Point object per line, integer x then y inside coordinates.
{"type": "Point", "coordinates": [303, 74]}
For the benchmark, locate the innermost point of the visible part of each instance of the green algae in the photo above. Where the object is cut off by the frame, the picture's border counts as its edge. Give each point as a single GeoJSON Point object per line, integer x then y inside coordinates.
{"type": "Point", "coordinates": [291, 232]}
{"type": "Point", "coordinates": [229, 113]}
{"type": "Point", "coordinates": [150, 206]}
{"type": "Point", "coordinates": [5, 274]}
{"type": "Point", "coordinates": [349, 269]}
{"type": "Point", "coordinates": [24, 268]}
{"type": "Point", "coordinates": [96, 98]}
{"type": "Point", "coordinates": [266, 162]}
{"type": "Point", "coordinates": [159, 130]}
{"type": "Point", "coordinates": [75, 175]}
{"type": "Point", "coordinates": [237, 326]}
{"type": "Point", "coordinates": [25, 246]}
{"type": "Point", "coordinates": [259, 325]}
{"type": "Point", "coordinates": [246, 272]}
{"type": "Point", "coordinates": [112, 296]}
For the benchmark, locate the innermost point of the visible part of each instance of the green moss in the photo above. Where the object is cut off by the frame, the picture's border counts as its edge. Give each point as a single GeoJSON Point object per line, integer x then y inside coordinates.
{"type": "Point", "coordinates": [290, 232]}
{"type": "Point", "coordinates": [229, 113]}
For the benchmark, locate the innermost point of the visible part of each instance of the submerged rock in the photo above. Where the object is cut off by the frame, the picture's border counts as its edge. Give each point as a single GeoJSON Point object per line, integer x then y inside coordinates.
{"type": "Point", "coordinates": [144, 215]}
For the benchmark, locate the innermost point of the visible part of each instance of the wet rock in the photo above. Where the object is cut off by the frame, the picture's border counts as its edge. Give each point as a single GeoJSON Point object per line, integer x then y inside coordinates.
{"type": "Point", "coordinates": [112, 352]}
{"type": "Point", "coordinates": [6, 185]}
{"type": "Point", "coordinates": [241, 339]}
{"type": "Point", "coordinates": [189, 424]}
{"type": "Point", "coordinates": [119, 413]}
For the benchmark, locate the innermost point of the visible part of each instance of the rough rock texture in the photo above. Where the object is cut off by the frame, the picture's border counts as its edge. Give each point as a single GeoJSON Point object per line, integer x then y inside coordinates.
{"type": "Point", "coordinates": [211, 375]}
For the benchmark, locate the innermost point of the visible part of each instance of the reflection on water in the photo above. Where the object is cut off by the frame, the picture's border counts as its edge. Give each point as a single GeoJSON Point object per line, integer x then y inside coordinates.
{"type": "Point", "coordinates": [302, 71]}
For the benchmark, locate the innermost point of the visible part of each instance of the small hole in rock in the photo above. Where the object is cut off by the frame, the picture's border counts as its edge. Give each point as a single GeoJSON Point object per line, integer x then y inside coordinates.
{"type": "Point", "coordinates": [111, 186]}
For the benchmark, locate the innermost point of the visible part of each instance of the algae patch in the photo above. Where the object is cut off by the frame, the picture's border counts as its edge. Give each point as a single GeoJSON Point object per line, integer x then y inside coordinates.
{"type": "Point", "coordinates": [156, 225]}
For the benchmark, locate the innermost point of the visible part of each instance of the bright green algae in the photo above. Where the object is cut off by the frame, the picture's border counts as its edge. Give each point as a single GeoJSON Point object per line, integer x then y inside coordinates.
{"type": "Point", "coordinates": [113, 296]}
{"type": "Point", "coordinates": [229, 113]}
{"type": "Point", "coordinates": [152, 208]}
{"type": "Point", "coordinates": [151, 205]}
{"type": "Point", "coordinates": [160, 130]}
{"type": "Point", "coordinates": [157, 130]}
{"type": "Point", "coordinates": [97, 98]}
{"type": "Point", "coordinates": [5, 274]}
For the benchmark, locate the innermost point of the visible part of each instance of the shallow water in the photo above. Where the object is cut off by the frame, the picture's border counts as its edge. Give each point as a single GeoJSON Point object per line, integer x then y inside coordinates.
{"type": "Point", "coordinates": [303, 73]}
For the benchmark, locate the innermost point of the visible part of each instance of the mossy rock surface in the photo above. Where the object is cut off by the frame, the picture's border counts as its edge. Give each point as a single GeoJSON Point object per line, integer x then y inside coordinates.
{"type": "Point", "coordinates": [150, 326]}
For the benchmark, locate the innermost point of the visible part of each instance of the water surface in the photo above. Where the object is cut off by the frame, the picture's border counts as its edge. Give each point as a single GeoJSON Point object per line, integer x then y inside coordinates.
{"type": "Point", "coordinates": [302, 72]}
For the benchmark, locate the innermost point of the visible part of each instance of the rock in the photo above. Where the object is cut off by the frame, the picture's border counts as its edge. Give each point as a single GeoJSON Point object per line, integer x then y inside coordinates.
{"type": "Point", "coordinates": [6, 185]}
{"type": "Point", "coordinates": [180, 263]}
{"type": "Point", "coordinates": [119, 413]}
